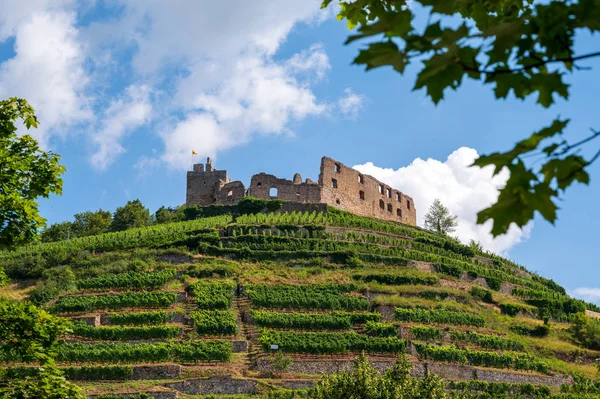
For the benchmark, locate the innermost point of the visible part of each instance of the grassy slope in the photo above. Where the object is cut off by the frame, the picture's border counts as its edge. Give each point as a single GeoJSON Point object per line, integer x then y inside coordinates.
{"type": "Point", "coordinates": [328, 252]}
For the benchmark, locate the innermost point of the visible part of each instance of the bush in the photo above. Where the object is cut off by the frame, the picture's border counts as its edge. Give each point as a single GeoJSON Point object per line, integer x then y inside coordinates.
{"type": "Point", "coordinates": [510, 309]}
{"type": "Point", "coordinates": [539, 331]}
{"type": "Point", "coordinates": [129, 280]}
{"type": "Point", "coordinates": [324, 296]}
{"type": "Point", "coordinates": [439, 316]}
{"type": "Point", "coordinates": [404, 278]}
{"type": "Point", "coordinates": [324, 343]}
{"type": "Point", "coordinates": [426, 333]}
{"type": "Point", "coordinates": [215, 322]}
{"type": "Point", "coordinates": [376, 329]}
{"type": "Point", "coordinates": [585, 331]}
{"type": "Point", "coordinates": [494, 283]}
{"type": "Point", "coordinates": [122, 319]}
{"type": "Point", "coordinates": [482, 294]}
{"type": "Point", "coordinates": [125, 333]}
{"type": "Point", "coordinates": [213, 294]}
{"type": "Point", "coordinates": [449, 270]}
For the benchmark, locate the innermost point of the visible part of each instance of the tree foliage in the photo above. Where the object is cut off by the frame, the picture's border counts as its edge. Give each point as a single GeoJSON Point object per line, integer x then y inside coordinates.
{"type": "Point", "coordinates": [585, 331]}
{"type": "Point", "coordinates": [364, 382]}
{"type": "Point", "coordinates": [440, 219]}
{"type": "Point", "coordinates": [26, 173]}
{"type": "Point", "coordinates": [133, 214]}
{"type": "Point", "coordinates": [91, 223]}
{"type": "Point", "coordinates": [526, 48]}
{"type": "Point", "coordinates": [30, 334]}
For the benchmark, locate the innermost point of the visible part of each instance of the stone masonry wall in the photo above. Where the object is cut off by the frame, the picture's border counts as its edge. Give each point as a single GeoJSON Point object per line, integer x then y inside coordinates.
{"type": "Point", "coordinates": [348, 189]}
{"type": "Point", "coordinates": [262, 184]}
{"type": "Point", "coordinates": [339, 186]}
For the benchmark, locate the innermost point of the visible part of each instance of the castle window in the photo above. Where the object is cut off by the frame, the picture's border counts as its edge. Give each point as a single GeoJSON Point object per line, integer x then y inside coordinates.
{"type": "Point", "coordinates": [408, 204]}
{"type": "Point", "coordinates": [399, 212]}
{"type": "Point", "coordinates": [361, 179]}
{"type": "Point", "coordinates": [337, 201]}
{"type": "Point", "coordinates": [273, 192]}
{"type": "Point", "coordinates": [390, 208]}
{"type": "Point", "coordinates": [259, 184]}
{"type": "Point", "coordinates": [298, 196]}
{"type": "Point", "coordinates": [398, 197]}
{"type": "Point", "coordinates": [334, 183]}
{"type": "Point", "coordinates": [381, 204]}
{"type": "Point", "coordinates": [204, 182]}
{"type": "Point", "coordinates": [389, 193]}
{"type": "Point", "coordinates": [229, 193]}
{"type": "Point", "coordinates": [381, 189]}
{"type": "Point", "coordinates": [337, 168]}
{"type": "Point", "coordinates": [361, 195]}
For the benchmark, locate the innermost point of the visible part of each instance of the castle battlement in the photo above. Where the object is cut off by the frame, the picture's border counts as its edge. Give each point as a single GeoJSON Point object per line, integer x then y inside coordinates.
{"type": "Point", "coordinates": [339, 186]}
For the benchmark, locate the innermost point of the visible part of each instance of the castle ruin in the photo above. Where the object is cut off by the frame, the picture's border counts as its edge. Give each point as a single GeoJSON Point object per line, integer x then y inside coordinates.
{"type": "Point", "coordinates": [339, 186]}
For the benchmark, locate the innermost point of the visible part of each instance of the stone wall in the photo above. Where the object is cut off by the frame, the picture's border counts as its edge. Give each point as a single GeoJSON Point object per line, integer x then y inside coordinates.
{"type": "Point", "coordinates": [352, 191]}
{"type": "Point", "coordinates": [268, 186]}
{"type": "Point", "coordinates": [339, 186]}
{"type": "Point", "coordinates": [156, 372]}
{"type": "Point", "coordinates": [153, 394]}
{"type": "Point", "coordinates": [223, 385]}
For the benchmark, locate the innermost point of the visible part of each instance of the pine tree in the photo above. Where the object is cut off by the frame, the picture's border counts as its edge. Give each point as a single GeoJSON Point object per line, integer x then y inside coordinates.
{"type": "Point", "coordinates": [440, 219]}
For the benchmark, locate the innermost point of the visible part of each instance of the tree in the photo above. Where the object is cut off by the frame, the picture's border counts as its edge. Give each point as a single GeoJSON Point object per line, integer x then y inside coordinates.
{"type": "Point", "coordinates": [168, 215]}
{"type": "Point", "coordinates": [585, 331]}
{"type": "Point", "coordinates": [26, 173]}
{"type": "Point", "coordinates": [524, 47]}
{"type": "Point", "coordinates": [91, 223]}
{"type": "Point", "coordinates": [133, 214]}
{"type": "Point", "coordinates": [30, 334]}
{"type": "Point", "coordinates": [364, 382]}
{"type": "Point", "coordinates": [440, 219]}
{"type": "Point", "coordinates": [476, 246]}
{"type": "Point", "coordinates": [57, 232]}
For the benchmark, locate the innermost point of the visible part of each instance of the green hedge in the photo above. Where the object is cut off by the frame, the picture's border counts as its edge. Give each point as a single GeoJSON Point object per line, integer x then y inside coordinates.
{"type": "Point", "coordinates": [439, 316]}
{"type": "Point", "coordinates": [125, 333]}
{"type": "Point", "coordinates": [152, 353]}
{"type": "Point", "coordinates": [323, 343]}
{"type": "Point", "coordinates": [325, 296]}
{"type": "Point", "coordinates": [75, 373]}
{"type": "Point", "coordinates": [123, 319]}
{"type": "Point", "coordinates": [481, 358]}
{"type": "Point", "coordinates": [539, 331]}
{"type": "Point", "coordinates": [500, 389]}
{"type": "Point", "coordinates": [486, 340]}
{"type": "Point", "coordinates": [412, 277]}
{"type": "Point", "coordinates": [215, 322]}
{"type": "Point", "coordinates": [312, 321]}
{"type": "Point", "coordinates": [86, 303]}
{"type": "Point", "coordinates": [482, 294]}
{"type": "Point", "coordinates": [511, 309]}
{"type": "Point", "coordinates": [377, 329]}
{"type": "Point", "coordinates": [213, 294]}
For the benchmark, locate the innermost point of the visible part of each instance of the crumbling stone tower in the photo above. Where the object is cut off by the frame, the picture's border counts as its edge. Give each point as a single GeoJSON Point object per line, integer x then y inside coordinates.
{"type": "Point", "coordinates": [210, 186]}
{"type": "Point", "coordinates": [339, 186]}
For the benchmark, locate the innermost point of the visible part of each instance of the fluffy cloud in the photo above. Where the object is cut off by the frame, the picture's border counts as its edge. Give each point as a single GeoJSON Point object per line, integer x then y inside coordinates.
{"type": "Point", "coordinates": [587, 294]}
{"type": "Point", "coordinates": [47, 68]}
{"type": "Point", "coordinates": [122, 116]}
{"type": "Point", "coordinates": [351, 104]}
{"type": "Point", "coordinates": [464, 190]}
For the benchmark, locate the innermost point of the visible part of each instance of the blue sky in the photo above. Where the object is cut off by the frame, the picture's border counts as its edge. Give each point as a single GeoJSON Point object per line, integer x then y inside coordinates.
{"type": "Point", "coordinates": [125, 91]}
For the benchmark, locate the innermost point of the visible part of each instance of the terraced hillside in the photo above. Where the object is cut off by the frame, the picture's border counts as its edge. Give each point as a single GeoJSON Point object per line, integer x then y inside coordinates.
{"type": "Point", "coordinates": [220, 305]}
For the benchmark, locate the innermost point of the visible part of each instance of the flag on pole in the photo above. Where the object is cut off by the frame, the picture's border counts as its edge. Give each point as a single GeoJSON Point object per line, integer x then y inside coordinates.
{"type": "Point", "coordinates": [194, 152]}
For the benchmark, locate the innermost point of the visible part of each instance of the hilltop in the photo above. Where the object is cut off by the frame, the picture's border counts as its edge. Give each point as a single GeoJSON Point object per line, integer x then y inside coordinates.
{"type": "Point", "coordinates": [208, 306]}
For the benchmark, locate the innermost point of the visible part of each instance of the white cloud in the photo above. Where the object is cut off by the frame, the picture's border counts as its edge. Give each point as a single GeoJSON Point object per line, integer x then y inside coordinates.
{"type": "Point", "coordinates": [122, 116]}
{"type": "Point", "coordinates": [587, 294]}
{"type": "Point", "coordinates": [47, 68]}
{"type": "Point", "coordinates": [312, 60]}
{"type": "Point", "coordinates": [464, 190]}
{"type": "Point", "coordinates": [351, 104]}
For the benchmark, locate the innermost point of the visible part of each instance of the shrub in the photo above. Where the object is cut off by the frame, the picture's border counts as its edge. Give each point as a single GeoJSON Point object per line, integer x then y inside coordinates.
{"type": "Point", "coordinates": [426, 333]}
{"type": "Point", "coordinates": [324, 296]}
{"type": "Point", "coordinates": [213, 294]}
{"type": "Point", "coordinates": [510, 309]}
{"type": "Point", "coordinates": [482, 294]}
{"type": "Point", "coordinates": [585, 331]}
{"type": "Point", "coordinates": [494, 283]}
{"type": "Point", "coordinates": [129, 280]}
{"type": "Point", "coordinates": [376, 329]}
{"type": "Point", "coordinates": [439, 316]}
{"type": "Point", "coordinates": [215, 322]}
{"type": "Point", "coordinates": [539, 331]}
{"type": "Point", "coordinates": [125, 333]}
{"type": "Point", "coordinates": [323, 343]}
{"type": "Point", "coordinates": [449, 270]}
{"type": "Point", "coordinates": [405, 278]}
{"type": "Point", "coordinates": [122, 319]}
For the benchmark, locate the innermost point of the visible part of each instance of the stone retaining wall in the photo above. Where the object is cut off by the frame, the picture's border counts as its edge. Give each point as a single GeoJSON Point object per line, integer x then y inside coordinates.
{"type": "Point", "coordinates": [444, 370]}
{"type": "Point", "coordinates": [224, 385]}
{"type": "Point", "coordinates": [154, 394]}
{"type": "Point", "coordinates": [156, 372]}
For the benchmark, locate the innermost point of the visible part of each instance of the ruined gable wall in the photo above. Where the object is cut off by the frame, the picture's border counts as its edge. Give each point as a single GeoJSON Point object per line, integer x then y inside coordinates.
{"type": "Point", "coordinates": [348, 189]}
{"type": "Point", "coordinates": [231, 193]}
{"type": "Point", "coordinates": [287, 190]}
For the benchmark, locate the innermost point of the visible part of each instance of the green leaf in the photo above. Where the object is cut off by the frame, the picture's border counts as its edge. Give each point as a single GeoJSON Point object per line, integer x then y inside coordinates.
{"type": "Point", "coordinates": [566, 171]}
{"type": "Point", "coordinates": [546, 84]}
{"type": "Point", "coordinates": [382, 54]}
{"type": "Point", "coordinates": [441, 71]}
